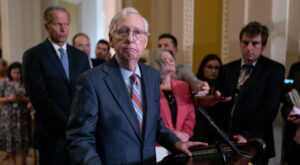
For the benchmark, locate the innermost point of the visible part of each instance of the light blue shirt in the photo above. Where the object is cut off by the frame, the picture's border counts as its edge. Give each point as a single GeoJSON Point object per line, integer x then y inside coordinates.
{"type": "Point", "coordinates": [126, 74]}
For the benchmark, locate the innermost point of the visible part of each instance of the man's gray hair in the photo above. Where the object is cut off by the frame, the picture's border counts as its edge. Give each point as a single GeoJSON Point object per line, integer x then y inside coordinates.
{"type": "Point", "coordinates": [52, 9]}
{"type": "Point", "coordinates": [123, 13]}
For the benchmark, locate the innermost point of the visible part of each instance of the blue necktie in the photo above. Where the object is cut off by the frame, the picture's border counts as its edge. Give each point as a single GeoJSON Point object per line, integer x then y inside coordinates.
{"type": "Point", "coordinates": [64, 61]}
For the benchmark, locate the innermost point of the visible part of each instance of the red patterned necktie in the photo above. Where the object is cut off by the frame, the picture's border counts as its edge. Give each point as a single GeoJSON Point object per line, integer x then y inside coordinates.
{"type": "Point", "coordinates": [136, 99]}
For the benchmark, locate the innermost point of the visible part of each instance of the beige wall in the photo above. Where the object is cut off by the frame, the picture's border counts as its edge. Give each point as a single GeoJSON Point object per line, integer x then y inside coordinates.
{"type": "Point", "coordinates": [22, 28]}
{"type": "Point", "coordinates": [167, 16]}
{"type": "Point", "coordinates": [73, 10]}
{"type": "Point", "coordinates": [145, 10]}
{"type": "Point", "coordinates": [207, 30]}
{"type": "Point", "coordinates": [293, 39]}
{"type": "Point", "coordinates": [281, 17]}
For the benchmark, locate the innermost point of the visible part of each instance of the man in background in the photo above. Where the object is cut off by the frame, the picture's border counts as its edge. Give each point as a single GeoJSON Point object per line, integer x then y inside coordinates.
{"type": "Point", "coordinates": [102, 52]}
{"type": "Point", "coordinates": [82, 42]}
{"type": "Point", "coordinates": [50, 72]}
{"type": "Point", "coordinates": [254, 83]}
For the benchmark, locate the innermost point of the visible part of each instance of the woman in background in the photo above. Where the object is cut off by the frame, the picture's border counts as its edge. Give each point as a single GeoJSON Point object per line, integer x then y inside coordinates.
{"type": "Point", "coordinates": [177, 108]}
{"type": "Point", "coordinates": [176, 105]}
{"type": "Point", "coordinates": [14, 115]}
{"type": "Point", "coordinates": [209, 69]}
{"type": "Point", "coordinates": [3, 77]}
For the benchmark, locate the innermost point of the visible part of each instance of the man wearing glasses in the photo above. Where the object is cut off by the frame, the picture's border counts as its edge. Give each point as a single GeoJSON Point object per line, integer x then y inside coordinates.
{"type": "Point", "coordinates": [115, 117]}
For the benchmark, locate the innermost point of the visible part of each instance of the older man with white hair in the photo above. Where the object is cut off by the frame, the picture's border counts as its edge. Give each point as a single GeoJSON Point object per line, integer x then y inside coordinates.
{"type": "Point", "coordinates": [115, 116]}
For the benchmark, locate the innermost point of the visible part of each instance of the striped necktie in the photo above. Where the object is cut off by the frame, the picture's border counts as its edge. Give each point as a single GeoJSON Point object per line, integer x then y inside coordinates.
{"type": "Point", "coordinates": [245, 75]}
{"type": "Point", "coordinates": [64, 61]}
{"type": "Point", "coordinates": [136, 99]}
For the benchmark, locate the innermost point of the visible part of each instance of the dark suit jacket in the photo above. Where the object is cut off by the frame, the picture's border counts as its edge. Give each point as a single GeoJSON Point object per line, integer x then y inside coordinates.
{"type": "Point", "coordinates": [288, 143]}
{"type": "Point", "coordinates": [97, 62]}
{"type": "Point", "coordinates": [50, 91]}
{"type": "Point", "coordinates": [103, 126]}
{"type": "Point", "coordinates": [258, 101]}
{"type": "Point", "coordinates": [294, 69]}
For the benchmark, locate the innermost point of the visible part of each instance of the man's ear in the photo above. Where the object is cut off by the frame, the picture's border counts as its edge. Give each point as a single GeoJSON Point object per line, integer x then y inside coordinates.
{"type": "Point", "coordinates": [146, 42]}
{"type": "Point", "coordinates": [111, 41]}
{"type": "Point", "coordinates": [176, 51]}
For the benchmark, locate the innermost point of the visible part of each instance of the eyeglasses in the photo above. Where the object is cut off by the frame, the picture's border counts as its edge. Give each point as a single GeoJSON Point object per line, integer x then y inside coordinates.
{"type": "Point", "coordinates": [212, 67]}
{"type": "Point", "coordinates": [137, 34]}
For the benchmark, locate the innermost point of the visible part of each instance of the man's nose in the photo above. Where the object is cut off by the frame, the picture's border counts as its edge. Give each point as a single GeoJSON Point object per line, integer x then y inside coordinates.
{"type": "Point", "coordinates": [63, 28]}
{"type": "Point", "coordinates": [130, 37]}
{"type": "Point", "coordinates": [249, 46]}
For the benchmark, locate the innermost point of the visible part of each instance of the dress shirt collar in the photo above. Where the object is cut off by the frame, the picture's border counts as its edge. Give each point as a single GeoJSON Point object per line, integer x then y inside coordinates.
{"type": "Point", "coordinates": [56, 47]}
{"type": "Point", "coordinates": [243, 63]}
{"type": "Point", "coordinates": [126, 74]}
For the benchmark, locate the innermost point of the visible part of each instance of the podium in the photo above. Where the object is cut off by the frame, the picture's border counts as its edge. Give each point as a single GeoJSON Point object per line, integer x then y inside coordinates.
{"type": "Point", "coordinates": [209, 155]}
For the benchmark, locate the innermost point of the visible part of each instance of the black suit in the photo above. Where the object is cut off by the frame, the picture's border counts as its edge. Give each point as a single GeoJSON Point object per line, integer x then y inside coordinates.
{"type": "Point", "coordinates": [257, 103]}
{"type": "Point", "coordinates": [51, 94]}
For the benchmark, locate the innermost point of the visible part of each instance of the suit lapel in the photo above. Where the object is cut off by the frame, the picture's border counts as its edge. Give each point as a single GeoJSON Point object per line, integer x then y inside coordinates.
{"type": "Point", "coordinates": [55, 60]}
{"type": "Point", "coordinates": [234, 75]}
{"type": "Point", "coordinates": [116, 85]}
{"type": "Point", "coordinates": [148, 97]}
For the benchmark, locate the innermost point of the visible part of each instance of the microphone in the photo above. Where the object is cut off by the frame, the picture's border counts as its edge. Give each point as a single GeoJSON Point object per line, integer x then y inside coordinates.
{"type": "Point", "coordinates": [221, 133]}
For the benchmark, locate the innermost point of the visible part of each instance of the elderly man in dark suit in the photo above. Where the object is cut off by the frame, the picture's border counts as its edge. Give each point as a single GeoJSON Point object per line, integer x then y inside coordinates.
{"type": "Point", "coordinates": [115, 116]}
{"type": "Point", "coordinates": [255, 84]}
{"type": "Point", "coordinates": [50, 72]}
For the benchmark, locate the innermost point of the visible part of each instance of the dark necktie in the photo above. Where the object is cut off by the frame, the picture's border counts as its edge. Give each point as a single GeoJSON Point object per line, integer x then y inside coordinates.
{"type": "Point", "coordinates": [64, 61]}
{"type": "Point", "coordinates": [137, 99]}
{"type": "Point", "coordinates": [243, 77]}
{"type": "Point", "coordinates": [248, 68]}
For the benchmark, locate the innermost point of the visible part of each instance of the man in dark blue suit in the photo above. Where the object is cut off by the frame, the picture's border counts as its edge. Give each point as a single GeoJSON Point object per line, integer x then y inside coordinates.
{"type": "Point", "coordinates": [50, 72]}
{"type": "Point", "coordinates": [255, 84]}
{"type": "Point", "coordinates": [115, 117]}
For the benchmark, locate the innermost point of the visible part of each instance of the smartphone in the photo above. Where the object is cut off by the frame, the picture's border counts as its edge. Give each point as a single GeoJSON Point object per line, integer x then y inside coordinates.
{"type": "Point", "coordinates": [288, 81]}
